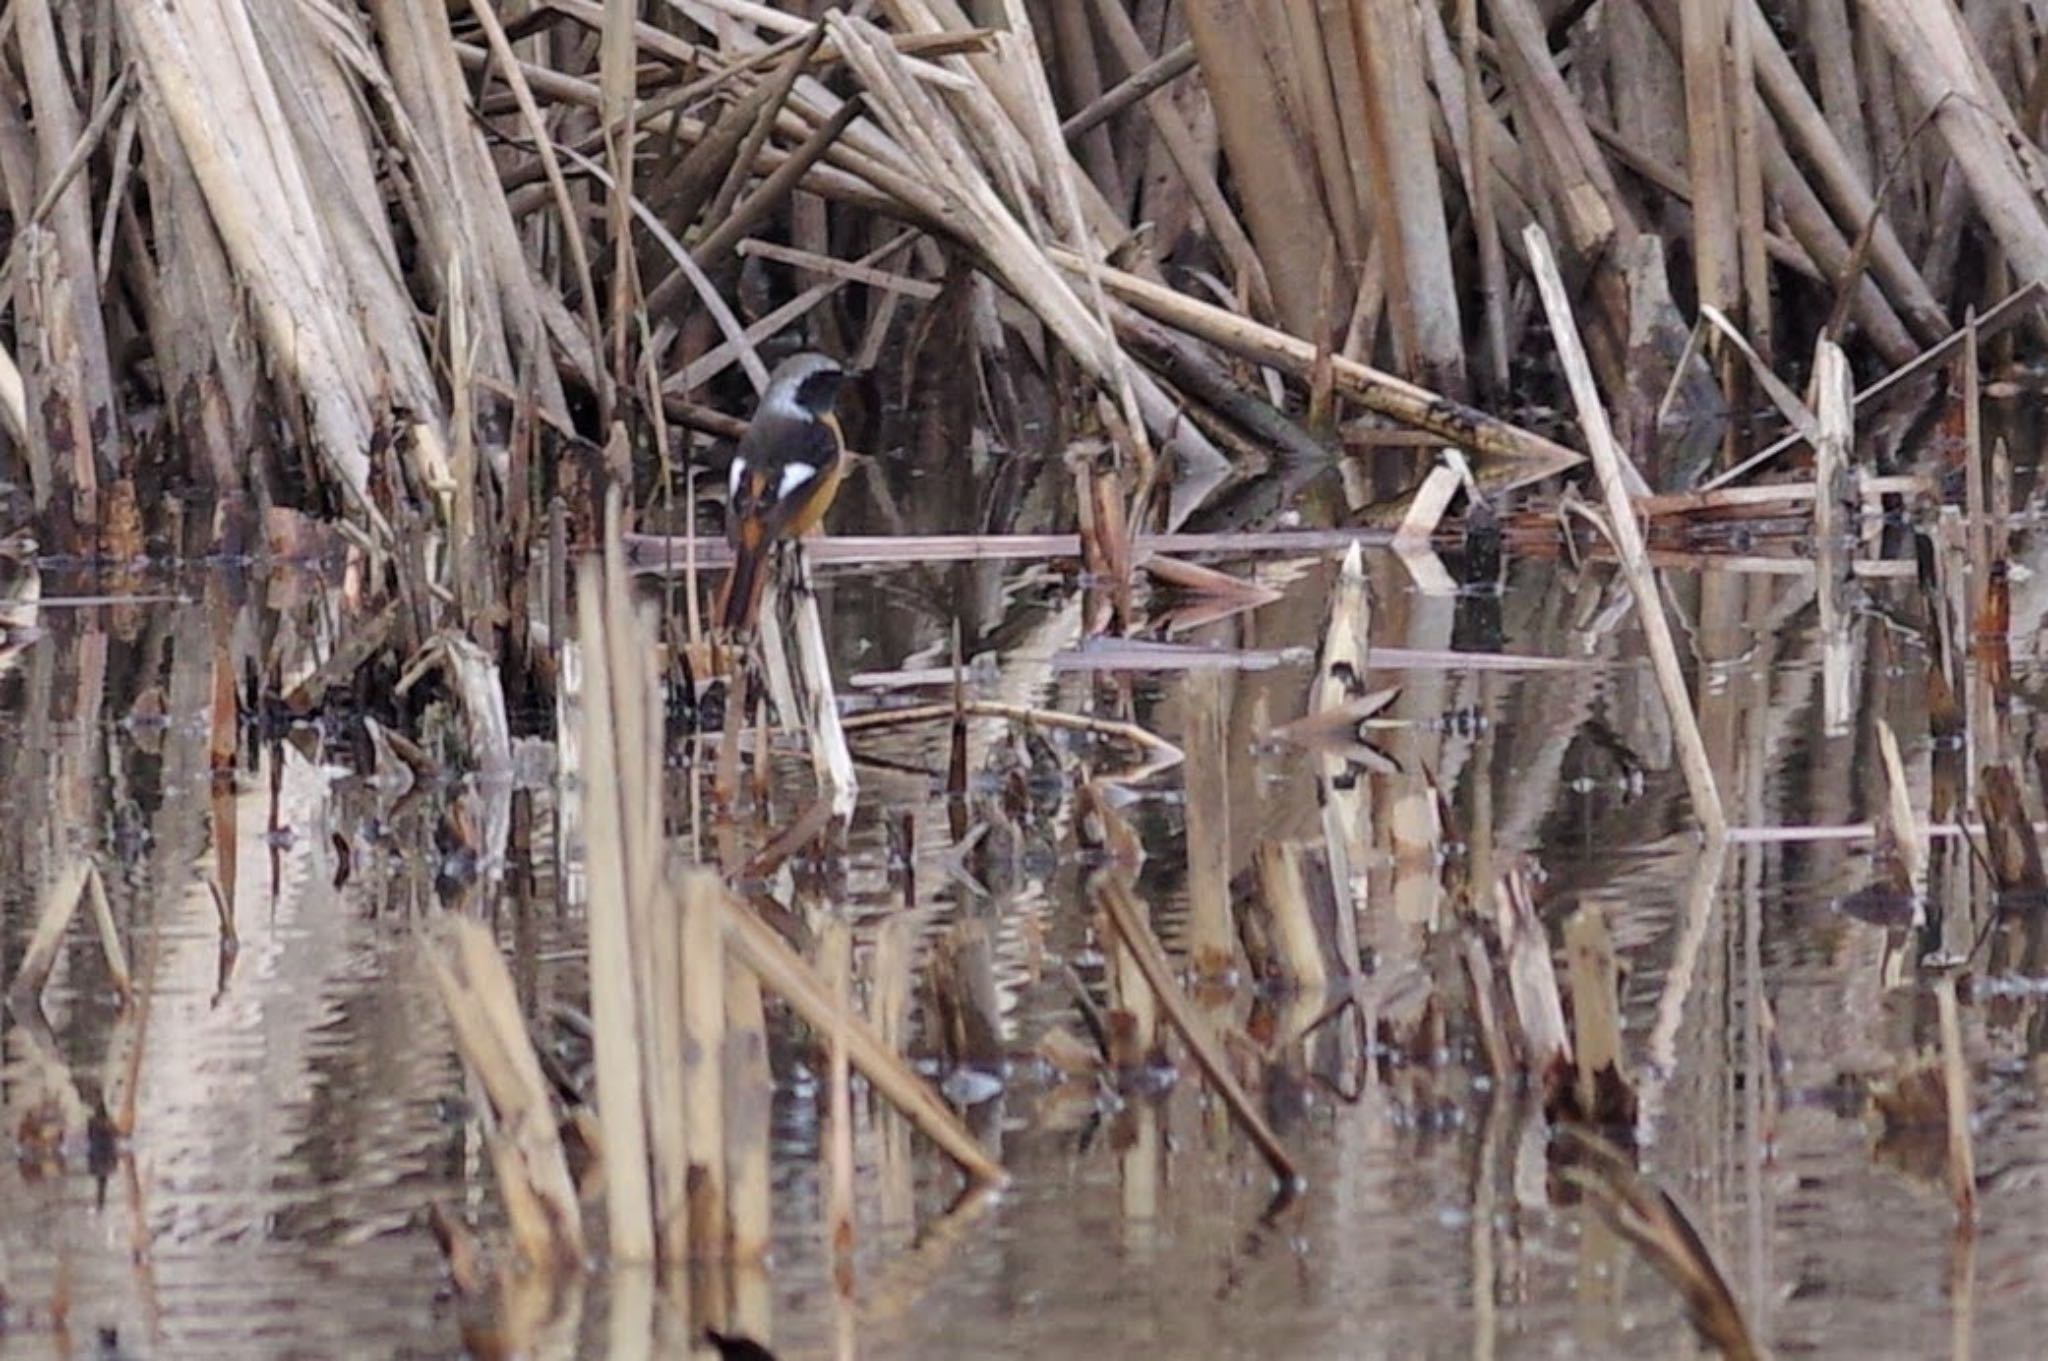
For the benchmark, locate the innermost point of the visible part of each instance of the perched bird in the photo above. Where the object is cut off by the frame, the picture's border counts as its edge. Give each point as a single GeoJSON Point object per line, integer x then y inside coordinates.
{"type": "Point", "coordinates": [784, 475]}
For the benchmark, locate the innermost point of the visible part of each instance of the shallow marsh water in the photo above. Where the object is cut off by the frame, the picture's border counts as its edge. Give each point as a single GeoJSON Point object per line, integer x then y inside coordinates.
{"type": "Point", "coordinates": [298, 1106]}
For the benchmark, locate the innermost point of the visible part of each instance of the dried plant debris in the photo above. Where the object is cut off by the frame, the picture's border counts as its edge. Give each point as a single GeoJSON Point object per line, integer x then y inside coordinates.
{"type": "Point", "coordinates": [1645, 1214]}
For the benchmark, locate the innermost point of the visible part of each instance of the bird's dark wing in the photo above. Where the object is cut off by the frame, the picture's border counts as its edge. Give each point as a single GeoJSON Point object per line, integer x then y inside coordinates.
{"type": "Point", "coordinates": [773, 444]}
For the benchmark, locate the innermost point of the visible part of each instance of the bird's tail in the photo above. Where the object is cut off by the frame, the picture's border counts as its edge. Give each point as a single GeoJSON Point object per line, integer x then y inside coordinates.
{"type": "Point", "coordinates": [743, 587]}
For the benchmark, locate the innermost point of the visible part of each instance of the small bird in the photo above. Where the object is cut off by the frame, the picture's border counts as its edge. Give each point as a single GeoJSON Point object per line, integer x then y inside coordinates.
{"type": "Point", "coordinates": [784, 474]}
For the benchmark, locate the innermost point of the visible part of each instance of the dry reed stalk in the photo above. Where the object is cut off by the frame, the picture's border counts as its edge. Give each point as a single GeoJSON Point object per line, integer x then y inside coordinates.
{"type": "Point", "coordinates": [60, 903]}
{"type": "Point", "coordinates": [1342, 668]}
{"type": "Point", "coordinates": [1212, 934]}
{"type": "Point", "coordinates": [699, 932]}
{"type": "Point", "coordinates": [707, 293]}
{"type": "Point", "coordinates": [1411, 222]}
{"type": "Point", "coordinates": [77, 427]}
{"type": "Point", "coordinates": [1645, 1214]}
{"type": "Point", "coordinates": [1603, 1092]}
{"type": "Point", "coordinates": [835, 962]}
{"type": "Point", "coordinates": [781, 969]}
{"type": "Point", "coordinates": [1593, 212]}
{"type": "Point", "coordinates": [1747, 169]}
{"type": "Point", "coordinates": [1136, 88]}
{"type": "Point", "coordinates": [1426, 511]}
{"type": "Point", "coordinates": [1113, 897]}
{"type": "Point", "coordinates": [1815, 136]}
{"type": "Point", "coordinates": [533, 1176]}
{"type": "Point", "coordinates": [1258, 114]}
{"type": "Point", "coordinates": [1288, 900]}
{"type": "Point", "coordinates": [1710, 153]}
{"type": "Point", "coordinates": [652, 973]}
{"type": "Point", "coordinates": [1834, 440]}
{"type": "Point", "coordinates": [2003, 169]}
{"type": "Point", "coordinates": [965, 1009]}
{"type": "Point", "coordinates": [1955, 1083]}
{"type": "Point", "coordinates": [1627, 534]}
{"type": "Point", "coordinates": [1905, 829]}
{"type": "Point", "coordinates": [571, 225]}
{"type": "Point", "coordinates": [816, 709]}
{"type": "Point", "coordinates": [1369, 387]}
{"type": "Point", "coordinates": [2014, 309]}
{"type": "Point", "coordinates": [1082, 83]}
{"type": "Point", "coordinates": [890, 966]}
{"type": "Point", "coordinates": [1977, 523]}
{"type": "Point", "coordinates": [461, 204]}
{"type": "Point", "coordinates": [1322, 59]}
{"type": "Point", "coordinates": [749, 1090]}
{"type": "Point", "coordinates": [1131, 1026]}
{"type": "Point", "coordinates": [616, 53]}
{"type": "Point", "coordinates": [202, 66]}
{"type": "Point", "coordinates": [1532, 982]}
{"type": "Point", "coordinates": [1485, 993]}
{"type": "Point", "coordinates": [629, 1200]}
{"type": "Point", "coordinates": [1493, 278]}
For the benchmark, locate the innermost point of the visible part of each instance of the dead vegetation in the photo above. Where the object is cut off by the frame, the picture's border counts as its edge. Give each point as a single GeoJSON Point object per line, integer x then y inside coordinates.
{"type": "Point", "coordinates": [460, 302]}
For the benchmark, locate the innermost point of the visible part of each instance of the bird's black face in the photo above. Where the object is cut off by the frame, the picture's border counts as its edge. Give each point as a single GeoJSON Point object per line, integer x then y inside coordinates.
{"type": "Point", "coordinates": [819, 391]}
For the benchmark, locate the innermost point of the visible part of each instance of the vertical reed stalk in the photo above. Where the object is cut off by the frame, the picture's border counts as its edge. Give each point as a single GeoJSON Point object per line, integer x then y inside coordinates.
{"type": "Point", "coordinates": [835, 961]}
{"type": "Point", "coordinates": [1212, 935]}
{"type": "Point", "coordinates": [629, 1200]}
{"type": "Point", "coordinates": [1955, 1073]}
{"type": "Point", "coordinates": [1411, 222]}
{"type": "Point", "coordinates": [749, 1090]}
{"type": "Point", "coordinates": [701, 934]}
{"type": "Point", "coordinates": [1493, 277]}
{"type": "Point", "coordinates": [1710, 154]}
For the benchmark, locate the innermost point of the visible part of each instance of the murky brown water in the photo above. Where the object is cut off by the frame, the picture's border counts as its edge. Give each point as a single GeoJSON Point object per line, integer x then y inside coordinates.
{"type": "Point", "coordinates": [297, 1105]}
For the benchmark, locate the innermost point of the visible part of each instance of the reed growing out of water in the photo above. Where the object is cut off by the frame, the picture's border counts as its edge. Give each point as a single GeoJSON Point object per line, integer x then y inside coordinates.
{"type": "Point", "coordinates": [463, 277]}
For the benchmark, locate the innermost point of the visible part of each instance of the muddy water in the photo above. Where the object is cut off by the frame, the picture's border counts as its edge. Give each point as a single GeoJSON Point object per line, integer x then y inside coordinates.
{"type": "Point", "coordinates": [296, 1106]}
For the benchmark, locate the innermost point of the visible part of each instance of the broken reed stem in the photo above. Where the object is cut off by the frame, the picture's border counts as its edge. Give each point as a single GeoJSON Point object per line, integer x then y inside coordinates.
{"type": "Point", "coordinates": [1113, 898]}
{"type": "Point", "coordinates": [1905, 827]}
{"type": "Point", "coordinates": [1604, 1094]}
{"type": "Point", "coordinates": [1532, 982]}
{"type": "Point", "coordinates": [817, 707]}
{"type": "Point", "coordinates": [526, 1148]}
{"type": "Point", "coordinates": [1627, 534]}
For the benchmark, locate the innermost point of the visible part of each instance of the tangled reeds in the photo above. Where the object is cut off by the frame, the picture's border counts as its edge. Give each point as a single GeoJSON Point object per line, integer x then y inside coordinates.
{"type": "Point", "coordinates": [462, 278]}
{"type": "Point", "coordinates": [241, 233]}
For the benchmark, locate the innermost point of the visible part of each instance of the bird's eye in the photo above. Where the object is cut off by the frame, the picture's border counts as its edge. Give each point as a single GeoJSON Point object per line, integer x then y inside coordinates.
{"type": "Point", "coordinates": [794, 475]}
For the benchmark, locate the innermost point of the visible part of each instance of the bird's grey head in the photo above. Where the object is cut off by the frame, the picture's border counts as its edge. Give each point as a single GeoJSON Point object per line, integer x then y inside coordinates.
{"type": "Point", "coordinates": [804, 385]}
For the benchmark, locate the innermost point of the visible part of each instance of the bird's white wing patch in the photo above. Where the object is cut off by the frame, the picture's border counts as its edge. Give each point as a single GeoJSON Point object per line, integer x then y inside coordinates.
{"type": "Point", "coordinates": [794, 475]}
{"type": "Point", "coordinates": [738, 475]}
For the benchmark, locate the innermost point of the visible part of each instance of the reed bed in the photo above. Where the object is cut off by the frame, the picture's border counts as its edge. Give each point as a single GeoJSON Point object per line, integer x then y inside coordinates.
{"type": "Point", "coordinates": [464, 294]}
{"type": "Point", "coordinates": [372, 262]}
